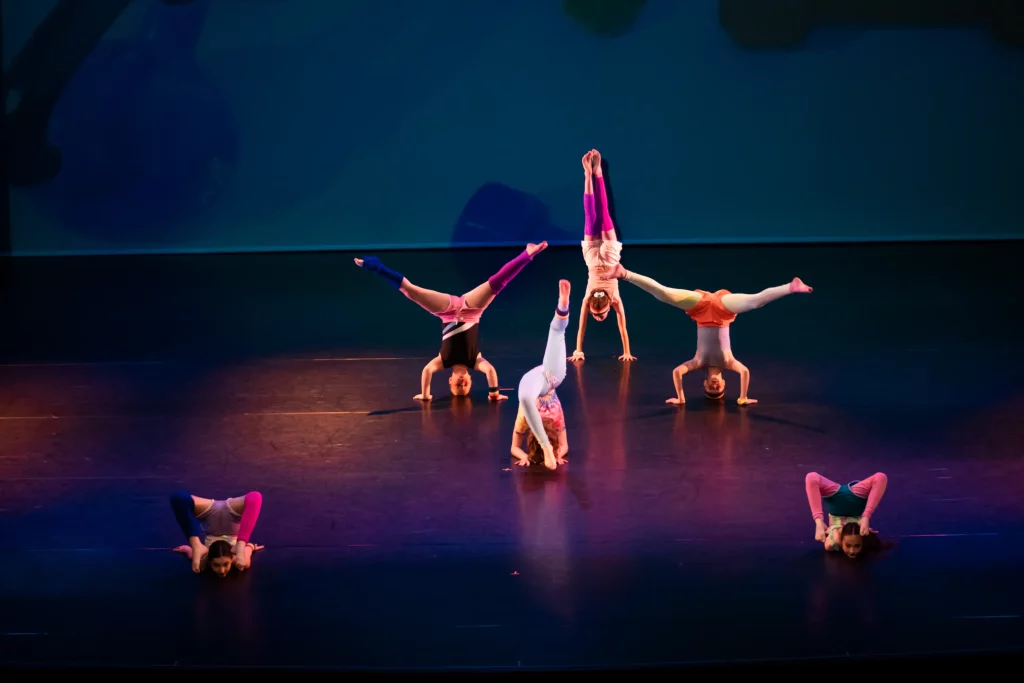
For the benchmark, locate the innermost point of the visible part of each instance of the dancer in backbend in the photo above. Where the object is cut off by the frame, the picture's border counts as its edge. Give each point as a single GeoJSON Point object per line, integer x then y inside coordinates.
{"type": "Point", "coordinates": [850, 508]}
{"type": "Point", "coordinates": [601, 252]}
{"type": "Point", "coordinates": [713, 314]}
{"type": "Point", "coordinates": [459, 317]}
{"type": "Point", "coordinates": [540, 421]}
{"type": "Point", "coordinates": [217, 531]}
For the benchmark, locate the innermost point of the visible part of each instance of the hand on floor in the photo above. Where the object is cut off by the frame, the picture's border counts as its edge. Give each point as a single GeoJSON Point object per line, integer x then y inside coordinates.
{"type": "Point", "coordinates": [576, 356]}
{"type": "Point", "coordinates": [627, 357]}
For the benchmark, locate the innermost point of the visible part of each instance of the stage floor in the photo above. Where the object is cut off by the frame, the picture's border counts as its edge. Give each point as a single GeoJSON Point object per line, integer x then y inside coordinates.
{"type": "Point", "coordinates": [399, 535]}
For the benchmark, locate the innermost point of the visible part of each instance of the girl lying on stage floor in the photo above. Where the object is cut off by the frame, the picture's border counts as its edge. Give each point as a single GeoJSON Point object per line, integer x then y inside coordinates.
{"type": "Point", "coordinates": [459, 316]}
{"type": "Point", "coordinates": [217, 531]}
{"type": "Point", "coordinates": [850, 508]}
{"type": "Point", "coordinates": [601, 252]}
{"type": "Point", "coordinates": [540, 420]}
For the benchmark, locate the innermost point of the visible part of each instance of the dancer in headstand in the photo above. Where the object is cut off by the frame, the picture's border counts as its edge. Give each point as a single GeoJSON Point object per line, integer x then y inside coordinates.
{"type": "Point", "coordinates": [217, 531]}
{"type": "Point", "coordinates": [540, 420]}
{"type": "Point", "coordinates": [850, 508]}
{"type": "Point", "coordinates": [459, 318]}
{"type": "Point", "coordinates": [601, 252]}
{"type": "Point", "coordinates": [713, 314]}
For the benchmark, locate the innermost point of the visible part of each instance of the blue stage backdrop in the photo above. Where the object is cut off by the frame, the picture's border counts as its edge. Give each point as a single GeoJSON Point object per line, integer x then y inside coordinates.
{"type": "Point", "coordinates": [235, 125]}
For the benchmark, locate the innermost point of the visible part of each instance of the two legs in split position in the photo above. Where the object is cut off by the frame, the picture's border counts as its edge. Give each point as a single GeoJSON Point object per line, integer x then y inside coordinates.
{"type": "Point", "coordinates": [713, 313]}
{"type": "Point", "coordinates": [460, 318]}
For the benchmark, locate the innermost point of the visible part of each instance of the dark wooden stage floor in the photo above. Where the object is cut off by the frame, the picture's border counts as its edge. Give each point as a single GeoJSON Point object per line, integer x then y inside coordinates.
{"type": "Point", "coordinates": [398, 536]}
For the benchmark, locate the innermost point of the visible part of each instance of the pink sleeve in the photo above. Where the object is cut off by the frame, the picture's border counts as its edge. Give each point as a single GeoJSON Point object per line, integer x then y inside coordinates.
{"type": "Point", "coordinates": [250, 513]}
{"type": "Point", "coordinates": [818, 486]}
{"type": "Point", "coordinates": [871, 488]}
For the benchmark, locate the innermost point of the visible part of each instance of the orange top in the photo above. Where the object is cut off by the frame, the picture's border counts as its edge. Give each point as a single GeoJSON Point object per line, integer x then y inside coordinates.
{"type": "Point", "coordinates": [709, 311]}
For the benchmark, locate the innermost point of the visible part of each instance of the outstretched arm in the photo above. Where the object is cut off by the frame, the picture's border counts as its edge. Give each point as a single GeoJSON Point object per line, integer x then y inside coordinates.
{"type": "Point", "coordinates": [620, 311]}
{"type": "Point", "coordinates": [518, 439]}
{"type": "Point", "coordinates": [493, 391]}
{"type": "Point", "coordinates": [744, 374]}
{"type": "Point", "coordinates": [578, 353]}
{"type": "Point", "coordinates": [428, 372]}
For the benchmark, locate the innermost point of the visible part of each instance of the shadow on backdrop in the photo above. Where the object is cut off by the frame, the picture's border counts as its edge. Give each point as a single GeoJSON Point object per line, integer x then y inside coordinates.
{"type": "Point", "coordinates": [145, 138]}
{"type": "Point", "coordinates": [789, 24]}
{"type": "Point", "coordinates": [497, 213]}
{"type": "Point", "coordinates": [605, 18]}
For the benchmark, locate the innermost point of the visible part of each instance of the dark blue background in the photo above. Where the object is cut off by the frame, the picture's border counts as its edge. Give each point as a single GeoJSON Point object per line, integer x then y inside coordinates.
{"type": "Point", "coordinates": [259, 124]}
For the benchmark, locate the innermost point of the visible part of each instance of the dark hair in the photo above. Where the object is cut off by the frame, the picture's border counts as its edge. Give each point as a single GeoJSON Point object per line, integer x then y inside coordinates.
{"type": "Point", "coordinates": [714, 397]}
{"type": "Point", "coordinates": [533, 447]}
{"type": "Point", "coordinates": [871, 543]}
{"type": "Point", "coordinates": [218, 549]}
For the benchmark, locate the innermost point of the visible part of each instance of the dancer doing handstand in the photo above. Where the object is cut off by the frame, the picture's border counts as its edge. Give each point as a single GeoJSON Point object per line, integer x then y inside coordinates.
{"type": "Point", "coordinates": [601, 252]}
{"type": "Point", "coordinates": [540, 419]}
{"type": "Point", "coordinates": [459, 316]}
{"type": "Point", "coordinates": [713, 313]}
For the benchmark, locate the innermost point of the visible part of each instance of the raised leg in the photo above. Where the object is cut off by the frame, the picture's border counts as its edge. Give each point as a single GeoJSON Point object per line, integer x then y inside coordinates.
{"type": "Point", "coordinates": [680, 298]}
{"type": "Point", "coordinates": [741, 303]}
{"type": "Point", "coordinates": [535, 382]}
{"type": "Point", "coordinates": [482, 295]}
{"type": "Point", "coordinates": [590, 231]}
{"type": "Point", "coordinates": [434, 302]}
{"type": "Point", "coordinates": [601, 193]}
{"type": "Point", "coordinates": [554, 352]}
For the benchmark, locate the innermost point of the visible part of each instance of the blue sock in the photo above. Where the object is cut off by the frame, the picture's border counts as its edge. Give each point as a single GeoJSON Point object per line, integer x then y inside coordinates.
{"type": "Point", "coordinates": [373, 264]}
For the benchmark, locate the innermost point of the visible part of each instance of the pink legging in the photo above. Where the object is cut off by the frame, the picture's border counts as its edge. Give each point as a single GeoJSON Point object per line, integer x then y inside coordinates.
{"type": "Point", "coordinates": [871, 488]}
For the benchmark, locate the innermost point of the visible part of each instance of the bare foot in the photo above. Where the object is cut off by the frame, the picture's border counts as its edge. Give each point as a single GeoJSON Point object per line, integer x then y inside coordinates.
{"type": "Point", "coordinates": [198, 553]}
{"type": "Point", "coordinates": [549, 457]}
{"type": "Point", "coordinates": [534, 249]}
{"type": "Point", "coordinates": [563, 294]}
{"type": "Point", "coordinates": [359, 262]}
{"type": "Point", "coordinates": [797, 285]}
{"type": "Point", "coordinates": [588, 167]}
{"type": "Point", "coordinates": [595, 159]}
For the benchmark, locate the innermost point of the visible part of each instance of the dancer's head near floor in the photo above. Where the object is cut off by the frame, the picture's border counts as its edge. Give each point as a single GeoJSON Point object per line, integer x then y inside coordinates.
{"type": "Point", "coordinates": [460, 381]}
{"type": "Point", "coordinates": [220, 559]}
{"type": "Point", "coordinates": [714, 384]}
{"type": "Point", "coordinates": [533, 447]}
{"type": "Point", "coordinates": [599, 304]}
{"type": "Point", "coordinates": [854, 545]}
